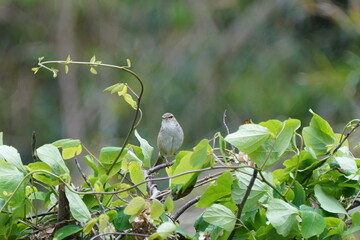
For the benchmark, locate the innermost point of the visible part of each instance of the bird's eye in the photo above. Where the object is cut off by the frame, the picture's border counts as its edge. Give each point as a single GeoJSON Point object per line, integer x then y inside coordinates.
{"type": "Point", "coordinates": [171, 116]}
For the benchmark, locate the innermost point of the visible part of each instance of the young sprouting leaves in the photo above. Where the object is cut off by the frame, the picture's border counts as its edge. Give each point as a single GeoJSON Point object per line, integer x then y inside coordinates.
{"type": "Point", "coordinates": [122, 90]}
{"type": "Point", "coordinates": [93, 64]}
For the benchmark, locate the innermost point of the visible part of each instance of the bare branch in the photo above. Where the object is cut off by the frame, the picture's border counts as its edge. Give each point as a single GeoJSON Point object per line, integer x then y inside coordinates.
{"type": "Point", "coordinates": [185, 207]}
{"type": "Point", "coordinates": [243, 201]}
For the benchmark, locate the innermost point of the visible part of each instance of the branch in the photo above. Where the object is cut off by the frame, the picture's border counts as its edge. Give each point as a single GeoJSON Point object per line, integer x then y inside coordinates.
{"type": "Point", "coordinates": [185, 207]}
{"type": "Point", "coordinates": [164, 178]}
{"type": "Point", "coordinates": [243, 201]}
{"type": "Point", "coordinates": [121, 234]}
{"type": "Point", "coordinates": [136, 119]}
{"type": "Point", "coordinates": [63, 207]}
{"type": "Point", "coordinates": [328, 155]}
{"type": "Point", "coordinates": [160, 166]}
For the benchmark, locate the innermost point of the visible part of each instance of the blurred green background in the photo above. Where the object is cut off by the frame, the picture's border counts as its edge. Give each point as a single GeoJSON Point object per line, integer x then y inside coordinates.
{"type": "Point", "coordinates": [258, 60]}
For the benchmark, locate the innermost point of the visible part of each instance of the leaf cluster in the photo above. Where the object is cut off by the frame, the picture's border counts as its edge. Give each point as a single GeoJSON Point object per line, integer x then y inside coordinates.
{"type": "Point", "coordinates": [313, 196]}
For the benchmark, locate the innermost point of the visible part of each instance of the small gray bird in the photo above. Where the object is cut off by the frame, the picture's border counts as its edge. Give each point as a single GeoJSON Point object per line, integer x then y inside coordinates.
{"type": "Point", "coordinates": [170, 137]}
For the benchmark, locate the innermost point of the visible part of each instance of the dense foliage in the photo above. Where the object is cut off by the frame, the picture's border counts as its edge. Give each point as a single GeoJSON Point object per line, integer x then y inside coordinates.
{"type": "Point", "coordinates": [311, 197]}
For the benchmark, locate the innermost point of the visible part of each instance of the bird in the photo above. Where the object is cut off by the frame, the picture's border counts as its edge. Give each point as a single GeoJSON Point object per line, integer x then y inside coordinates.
{"type": "Point", "coordinates": [170, 137]}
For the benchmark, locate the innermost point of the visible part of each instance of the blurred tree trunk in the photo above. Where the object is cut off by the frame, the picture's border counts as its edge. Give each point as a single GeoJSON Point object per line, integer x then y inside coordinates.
{"type": "Point", "coordinates": [71, 114]}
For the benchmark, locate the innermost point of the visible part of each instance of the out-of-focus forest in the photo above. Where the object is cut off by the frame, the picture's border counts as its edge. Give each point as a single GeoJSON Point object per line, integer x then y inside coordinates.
{"type": "Point", "coordinates": [258, 60]}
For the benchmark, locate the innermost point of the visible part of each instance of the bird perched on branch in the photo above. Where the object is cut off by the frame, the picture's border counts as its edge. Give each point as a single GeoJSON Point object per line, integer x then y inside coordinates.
{"type": "Point", "coordinates": [170, 137]}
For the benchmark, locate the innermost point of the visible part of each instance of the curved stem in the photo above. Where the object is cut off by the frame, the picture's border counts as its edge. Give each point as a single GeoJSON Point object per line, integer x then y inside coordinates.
{"type": "Point", "coordinates": [136, 119]}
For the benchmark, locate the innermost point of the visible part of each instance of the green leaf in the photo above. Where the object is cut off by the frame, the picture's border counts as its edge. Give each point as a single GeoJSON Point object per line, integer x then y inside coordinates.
{"type": "Point", "coordinates": [274, 148]}
{"type": "Point", "coordinates": [200, 153]}
{"type": "Point", "coordinates": [169, 205]}
{"type": "Point", "coordinates": [77, 206]}
{"type": "Point", "coordinates": [11, 155]}
{"type": "Point", "coordinates": [90, 161]}
{"type": "Point", "coordinates": [260, 191]}
{"type": "Point", "coordinates": [54, 71]}
{"type": "Point", "coordinates": [135, 206]}
{"type": "Point", "coordinates": [35, 69]}
{"type": "Point", "coordinates": [299, 194]}
{"type": "Point", "coordinates": [43, 196]}
{"type": "Point", "coordinates": [10, 179]}
{"type": "Point", "coordinates": [355, 226]}
{"type": "Point", "coordinates": [68, 59]}
{"type": "Point", "coordinates": [89, 225]}
{"type": "Point", "coordinates": [285, 136]}
{"type": "Point", "coordinates": [349, 165]}
{"type": "Point", "coordinates": [319, 135]}
{"type": "Point", "coordinates": [183, 164]}
{"type": "Point", "coordinates": [335, 225]}
{"type": "Point", "coordinates": [156, 209]}
{"type": "Point", "coordinates": [222, 189]}
{"type": "Point", "coordinates": [103, 222]}
{"type": "Point", "coordinates": [71, 147]}
{"type": "Point", "coordinates": [66, 69]}
{"type": "Point", "coordinates": [93, 70]}
{"type": "Point", "coordinates": [121, 222]}
{"type": "Point", "coordinates": [274, 126]}
{"type": "Point", "coordinates": [49, 154]}
{"type": "Point", "coordinates": [40, 59]}
{"type": "Point", "coordinates": [312, 222]}
{"type": "Point", "coordinates": [128, 62]}
{"type": "Point", "coordinates": [93, 59]}
{"type": "Point", "coordinates": [220, 216]}
{"type": "Point", "coordinates": [166, 229]}
{"type": "Point", "coordinates": [66, 231]}
{"type": "Point", "coordinates": [249, 137]}
{"type": "Point", "coordinates": [108, 154]}
{"type": "Point", "coordinates": [146, 149]}
{"type": "Point", "coordinates": [130, 100]}
{"type": "Point", "coordinates": [282, 216]}
{"type": "Point", "coordinates": [137, 176]}
{"type": "Point", "coordinates": [328, 202]}
{"type": "Point", "coordinates": [121, 89]}
{"type": "Point", "coordinates": [43, 177]}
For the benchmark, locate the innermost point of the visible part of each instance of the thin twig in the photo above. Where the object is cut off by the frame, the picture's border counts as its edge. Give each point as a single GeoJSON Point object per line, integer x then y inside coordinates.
{"type": "Point", "coordinates": [227, 129]}
{"type": "Point", "coordinates": [90, 186]}
{"type": "Point", "coordinates": [270, 185]}
{"type": "Point", "coordinates": [33, 147]}
{"type": "Point", "coordinates": [160, 166]}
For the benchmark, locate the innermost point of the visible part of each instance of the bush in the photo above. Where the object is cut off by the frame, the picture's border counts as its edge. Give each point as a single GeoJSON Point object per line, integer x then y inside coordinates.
{"type": "Point", "coordinates": [310, 198]}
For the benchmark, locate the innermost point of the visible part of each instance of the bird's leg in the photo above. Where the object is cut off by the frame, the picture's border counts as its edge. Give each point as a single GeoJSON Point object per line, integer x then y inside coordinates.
{"type": "Point", "coordinates": [167, 162]}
